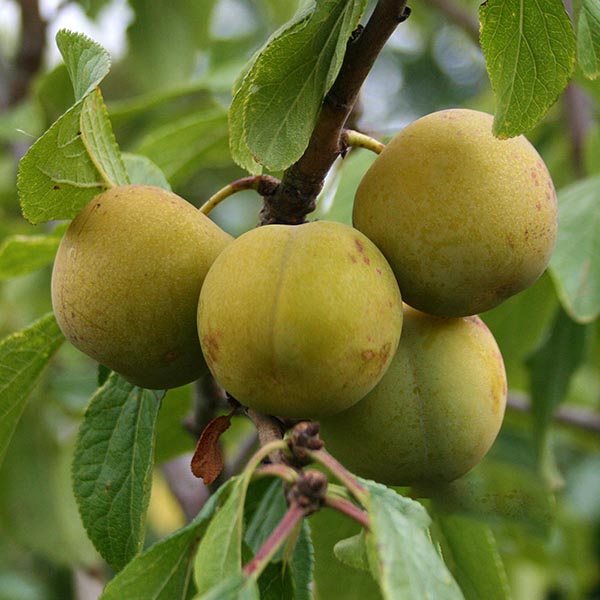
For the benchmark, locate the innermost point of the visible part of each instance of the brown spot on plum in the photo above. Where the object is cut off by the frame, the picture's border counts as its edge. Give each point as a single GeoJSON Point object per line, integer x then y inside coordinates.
{"type": "Point", "coordinates": [379, 271]}
{"type": "Point", "coordinates": [352, 258]}
{"type": "Point", "coordinates": [538, 205]}
{"type": "Point", "coordinates": [367, 355]}
{"type": "Point", "coordinates": [366, 260]}
{"type": "Point", "coordinates": [359, 245]}
{"type": "Point", "coordinates": [171, 356]}
{"type": "Point", "coordinates": [510, 240]}
{"type": "Point", "coordinates": [210, 346]}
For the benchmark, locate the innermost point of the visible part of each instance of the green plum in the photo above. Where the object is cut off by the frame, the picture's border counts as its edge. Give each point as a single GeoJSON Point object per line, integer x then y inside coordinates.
{"type": "Point", "coordinates": [126, 283]}
{"type": "Point", "coordinates": [299, 321]}
{"type": "Point", "coordinates": [465, 219]}
{"type": "Point", "coordinates": [435, 413]}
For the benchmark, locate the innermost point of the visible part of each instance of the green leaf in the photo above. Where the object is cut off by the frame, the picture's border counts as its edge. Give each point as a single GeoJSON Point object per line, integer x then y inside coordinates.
{"type": "Point", "coordinates": [353, 551]}
{"type": "Point", "coordinates": [57, 177]}
{"type": "Point", "coordinates": [87, 61]}
{"type": "Point", "coordinates": [164, 571]}
{"type": "Point", "coordinates": [553, 364]}
{"type": "Point", "coordinates": [289, 575]}
{"type": "Point", "coordinates": [232, 587]}
{"type": "Point", "coordinates": [37, 506]}
{"type": "Point", "coordinates": [164, 38]}
{"type": "Point", "coordinates": [402, 556]}
{"type": "Point", "coordinates": [75, 160]}
{"type": "Point", "coordinates": [575, 263]}
{"type": "Point", "coordinates": [220, 552]}
{"type": "Point", "coordinates": [302, 564]}
{"type": "Point", "coordinates": [23, 356]}
{"type": "Point", "coordinates": [112, 469]}
{"type": "Point", "coordinates": [529, 49]}
{"type": "Point", "coordinates": [327, 528]}
{"type": "Point", "coordinates": [276, 106]}
{"type": "Point", "coordinates": [23, 254]}
{"type": "Point", "coordinates": [552, 367]}
{"type": "Point", "coordinates": [519, 324]}
{"type": "Point", "coordinates": [269, 510]}
{"type": "Point", "coordinates": [100, 142]}
{"type": "Point", "coordinates": [171, 440]}
{"type": "Point", "coordinates": [588, 38]}
{"type": "Point", "coordinates": [506, 486]}
{"type": "Point", "coordinates": [141, 170]}
{"type": "Point", "coordinates": [181, 146]}
{"type": "Point", "coordinates": [471, 552]}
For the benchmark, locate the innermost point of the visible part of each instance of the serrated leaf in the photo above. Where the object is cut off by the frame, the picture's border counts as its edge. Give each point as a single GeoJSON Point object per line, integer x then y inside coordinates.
{"type": "Point", "coordinates": [220, 552]}
{"type": "Point", "coordinates": [57, 177]}
{"type": "Point", "coordinates": [289, 575]}
{"type": "Point", "coordinates": [575, 263]}
{"type": "Point", "coordinates": [279, 99]}
{"type": "Point", "coordinates": [23, 357]}
{"type": "Point", "coordinates": [87, 62]}
{"type": "Point", "coordinates": [302, 564]}
{"type": "Point", "coordinates": [529, 49]}
{"type": "Point", "coordinates": [75, 160]}
{"type": "Point", "coordinates": [471, 551]}
{"type": "Point", "coordinates": [238, 147]}
{"type": "Point", "coordinates": [402, 557]}
{"type": "Point", "coordinates": [353, 552]}
{"type": "Point", "coordinates": [23, 254]}
{"type": "Point", "coordinates": [164, 571]}
{"type": "Point", "coordinates": [141, 170]}
{"type": "Point", "coordinates": [588, 38]}
{"type": "Point", "coordinates": [269, 510]}
{"type": "Point", "coordinates": [99, 141]}
{"type": "Point", "coordinates": [112, 468]}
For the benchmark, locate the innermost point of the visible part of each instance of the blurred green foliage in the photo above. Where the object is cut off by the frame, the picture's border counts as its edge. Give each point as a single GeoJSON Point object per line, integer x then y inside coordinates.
{"type": "Point", "coordinates": [168, 96]}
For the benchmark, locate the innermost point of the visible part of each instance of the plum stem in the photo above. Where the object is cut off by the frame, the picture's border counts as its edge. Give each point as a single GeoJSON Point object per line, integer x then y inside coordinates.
{"type": "Point", "coordinates": [340, 472]}
{"type": "Point", "coordinates": [355, 139]}
{"type": "Point", "coordinates": [263, 184]}
{"type": "Point", "coordinates": [280, 534]}
{"type": "Point", "coordinates": [349, 509]}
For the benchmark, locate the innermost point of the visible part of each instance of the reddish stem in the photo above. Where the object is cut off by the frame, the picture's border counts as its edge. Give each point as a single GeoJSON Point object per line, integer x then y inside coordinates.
{"type": "Point", "coordinates": [292, 517]}
{"type": "Point", "coordinates": [340, 472]}
{"type": "Point", "coordinates": [351, 510]}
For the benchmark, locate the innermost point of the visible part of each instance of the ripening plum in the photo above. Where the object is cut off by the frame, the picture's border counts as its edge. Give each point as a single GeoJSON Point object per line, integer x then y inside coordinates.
{"type": "Point", "coordinates": [126, 283]}
{"type": "Point", "coordinates": [299, 321]}
{"type": "Point", "coordinates": [435, 413]}
{"type": "Point", "coordinates": [465, 219]}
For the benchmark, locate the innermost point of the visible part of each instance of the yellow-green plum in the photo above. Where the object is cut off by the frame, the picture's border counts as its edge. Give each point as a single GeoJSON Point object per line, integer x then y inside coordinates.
{"type": "Point", "coordinates": [126, 283]}
{"type": "Point", "coordinates": [465, 219]}
{"type": "Point", "coordinates": [435, 413]}
{"type": "Point", "coordinates": [299, 321]}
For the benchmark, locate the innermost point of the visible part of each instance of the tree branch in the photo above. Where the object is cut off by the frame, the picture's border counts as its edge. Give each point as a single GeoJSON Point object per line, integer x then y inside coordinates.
{"type": "Point", "coordinates": [565, 415]}
{"type": "Point", "coordinates": [31, 50]}
{"type": "Point", "coordinates": [296, 195]}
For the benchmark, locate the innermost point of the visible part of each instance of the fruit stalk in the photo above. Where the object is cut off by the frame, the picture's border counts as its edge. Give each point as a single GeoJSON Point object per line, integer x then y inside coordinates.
{"type": "Point", "coordinates": [292, 517]}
